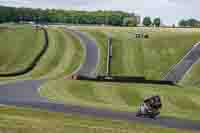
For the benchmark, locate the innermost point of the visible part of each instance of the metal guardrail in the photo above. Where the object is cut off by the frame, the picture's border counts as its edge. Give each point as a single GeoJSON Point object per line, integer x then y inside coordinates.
{"type": "Point", "coordinates": [124, 79]}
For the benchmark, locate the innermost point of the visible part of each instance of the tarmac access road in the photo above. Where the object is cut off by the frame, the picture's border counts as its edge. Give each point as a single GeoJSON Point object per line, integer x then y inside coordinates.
{"type": "Point", "coordinates": [179, 70]}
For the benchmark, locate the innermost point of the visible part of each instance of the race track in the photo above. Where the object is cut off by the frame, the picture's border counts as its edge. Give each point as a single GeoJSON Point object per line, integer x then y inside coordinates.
{"type": "Point", "coordinates": [25, 94]}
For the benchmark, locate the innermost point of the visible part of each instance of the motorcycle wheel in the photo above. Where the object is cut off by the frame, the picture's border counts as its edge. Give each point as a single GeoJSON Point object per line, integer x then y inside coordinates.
{"type": "Point", "coordinates": [154, 116]}
{"type": "Point", "coordinates": [138, 114]}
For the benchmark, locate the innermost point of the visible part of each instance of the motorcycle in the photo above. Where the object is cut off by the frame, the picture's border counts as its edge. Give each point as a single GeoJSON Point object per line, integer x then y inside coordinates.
{"type": "Point", "coordinates": [147, 113]}
{"type": "Point", "coordinates": [150, 108]}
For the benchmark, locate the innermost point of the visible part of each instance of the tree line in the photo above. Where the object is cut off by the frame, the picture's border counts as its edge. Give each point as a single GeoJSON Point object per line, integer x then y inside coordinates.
{"type": "Point", "coordinates": [116, 18]}
{"type": "Point", "coordinates": [148, 21]}
{"type": "Point", "coordinates": [189, 23]}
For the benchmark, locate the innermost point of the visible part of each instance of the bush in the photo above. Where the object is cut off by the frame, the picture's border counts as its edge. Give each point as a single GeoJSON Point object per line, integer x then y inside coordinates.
{"type": "Point", "coordinates": [146, 36]}
{"type": "Point", "coordinates": [147, 21]}
{"type": "Point", "coordinates": [130, 21]}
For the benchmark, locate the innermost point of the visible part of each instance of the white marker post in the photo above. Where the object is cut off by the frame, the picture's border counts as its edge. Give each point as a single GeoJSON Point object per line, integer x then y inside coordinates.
{"type": "Point", "coordinates": [109, 56]}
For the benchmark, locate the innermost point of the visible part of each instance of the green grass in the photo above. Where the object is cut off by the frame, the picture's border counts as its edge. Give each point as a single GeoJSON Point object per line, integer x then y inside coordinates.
{"type": "Point", "coordinates": [128, 56]}
{"type": "Point", "coordinates": [19, 46]}
{"type": "Point", "coordinates": [151, 57]}
{"type": "Point", "coordinates": [63, 57]}
{"type": "Point", "coordinates": [192, 76]}
{"type": "Point", "coordinates": [21, 120]}
{"type": "Point", "coordinates": [178, 101]}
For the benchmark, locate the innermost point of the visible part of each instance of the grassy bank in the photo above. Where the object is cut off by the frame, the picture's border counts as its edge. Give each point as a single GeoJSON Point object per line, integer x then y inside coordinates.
{"type": "Point", "coordinates": [19, 47]}
{"type": "Point", "coordinates": [128, 55]}
{"type": "Point", "coordinates": [63, 56]}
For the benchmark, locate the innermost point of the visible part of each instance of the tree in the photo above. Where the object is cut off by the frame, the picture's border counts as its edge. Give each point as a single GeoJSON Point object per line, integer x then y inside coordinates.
{"type": "Point", "coordinates": [130, 21]}
{"type": "Point", "coordinates": [192, 22]}
{"type": "Point", "coordinates": [157, 22]}
{"type": "Point", "coordinates": [182, 23]}
{"type": "Point", "coordinates": [116, 18]}
{"type": "Point", "coordinates": [147, 21]}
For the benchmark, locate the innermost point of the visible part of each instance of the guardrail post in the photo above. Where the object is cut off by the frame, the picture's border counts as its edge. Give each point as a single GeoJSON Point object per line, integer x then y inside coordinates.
{"type": "Point", "coordinates": [109, 56]}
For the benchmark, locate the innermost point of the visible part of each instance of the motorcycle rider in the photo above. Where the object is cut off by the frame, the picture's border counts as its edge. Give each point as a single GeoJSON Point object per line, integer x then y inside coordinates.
{"type": "Point", "coordinates": [150, 107]}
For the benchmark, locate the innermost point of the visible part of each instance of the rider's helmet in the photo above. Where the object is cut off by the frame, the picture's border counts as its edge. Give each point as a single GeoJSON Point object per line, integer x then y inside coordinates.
{"type": "Point", "coordinates": [154, 102]}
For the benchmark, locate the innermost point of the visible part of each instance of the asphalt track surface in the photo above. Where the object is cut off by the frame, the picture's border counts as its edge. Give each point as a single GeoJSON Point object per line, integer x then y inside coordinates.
{"type": "Point", "coordinates": [180, 69]}
{"type": "Point", "coordinates": [88, 68]}
{"type": "Point", "coordinates": [25, 94]}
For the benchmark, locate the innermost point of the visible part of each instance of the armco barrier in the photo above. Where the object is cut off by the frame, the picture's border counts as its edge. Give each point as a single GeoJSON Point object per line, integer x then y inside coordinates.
{"type": "Point", "coordinates": [35, 61]}
{"type": "Point", "coordinates": [124, 79]}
